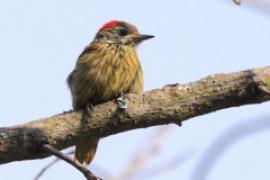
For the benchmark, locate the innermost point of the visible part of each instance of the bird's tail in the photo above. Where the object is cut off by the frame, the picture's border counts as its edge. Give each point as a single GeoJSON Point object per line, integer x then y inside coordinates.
{"type": "Point", "coordinates": [85, 151]}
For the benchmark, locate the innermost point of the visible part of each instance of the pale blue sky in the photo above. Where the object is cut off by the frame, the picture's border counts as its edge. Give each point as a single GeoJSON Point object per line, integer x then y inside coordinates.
{"type": "Point", "coordinates": [40, 41]}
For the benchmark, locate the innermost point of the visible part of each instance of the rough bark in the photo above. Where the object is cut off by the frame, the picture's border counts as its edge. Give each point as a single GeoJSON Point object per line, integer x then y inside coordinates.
{"type": "Point", "coordinates": [171, 104]}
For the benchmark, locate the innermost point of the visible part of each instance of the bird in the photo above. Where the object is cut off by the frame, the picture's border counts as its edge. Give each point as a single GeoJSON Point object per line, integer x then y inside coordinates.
{"type": "Point", "coordinates": [107, 69]}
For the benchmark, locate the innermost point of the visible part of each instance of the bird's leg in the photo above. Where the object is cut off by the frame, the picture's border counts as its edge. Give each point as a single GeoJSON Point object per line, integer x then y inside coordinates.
{"type": "Point", "coordinates": [122, 101]}
{"type": "Point", "coordinates": [89, 108]}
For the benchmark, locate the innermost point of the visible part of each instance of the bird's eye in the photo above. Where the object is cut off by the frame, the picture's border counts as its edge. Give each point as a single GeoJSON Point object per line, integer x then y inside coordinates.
{"type": "Point", "coordinates": [100, 36]}
{"type": "Point", "coordinates": [123, 32]}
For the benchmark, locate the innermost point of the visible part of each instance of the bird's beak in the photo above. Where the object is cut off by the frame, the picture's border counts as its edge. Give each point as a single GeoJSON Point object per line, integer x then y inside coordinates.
{"type": "Point", "coordinates": [140, 37]}
{"type": "Point", "coordinates": [143, 37]}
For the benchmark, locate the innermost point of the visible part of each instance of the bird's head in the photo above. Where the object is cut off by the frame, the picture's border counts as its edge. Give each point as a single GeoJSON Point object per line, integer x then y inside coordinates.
{"type": "Point", "coordinates": [120, 32]}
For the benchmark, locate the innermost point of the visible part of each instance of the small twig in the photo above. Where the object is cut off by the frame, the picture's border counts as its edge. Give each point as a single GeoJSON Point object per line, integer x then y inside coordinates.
{"type": "Point", "coordinates": [45, 168]}
{"type": "Point", "coordinates": [88, 174]}
{"type": "Point", "coordinates": [42, 171]}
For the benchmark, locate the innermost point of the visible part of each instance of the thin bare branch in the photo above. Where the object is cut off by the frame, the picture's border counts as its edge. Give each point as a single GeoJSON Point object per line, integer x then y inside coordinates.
{"type": "Point", "coordinates": [88, 174]}
{"type": "Point", "coordinates": [49, 165]}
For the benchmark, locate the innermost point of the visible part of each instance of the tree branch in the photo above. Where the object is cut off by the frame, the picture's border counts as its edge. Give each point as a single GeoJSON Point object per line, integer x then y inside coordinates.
{"type": "Point", "coordinates": [88, 174]}
{"type": "Point", "coordinates": [49, 165]}
{"type": "Point", "coordinates": [171, 104]}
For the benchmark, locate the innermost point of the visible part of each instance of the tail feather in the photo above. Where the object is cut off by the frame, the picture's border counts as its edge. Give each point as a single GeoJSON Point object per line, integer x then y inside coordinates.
{"type": "Point", "coordinates": [85, 151]}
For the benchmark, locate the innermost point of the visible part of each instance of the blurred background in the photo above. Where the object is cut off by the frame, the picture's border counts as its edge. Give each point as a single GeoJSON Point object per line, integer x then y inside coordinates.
{"type": "Point", "coordinates": [41, 40]}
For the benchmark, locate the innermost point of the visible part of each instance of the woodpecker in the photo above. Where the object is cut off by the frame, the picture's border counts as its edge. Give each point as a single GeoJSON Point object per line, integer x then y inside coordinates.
{"type": "Point", "coordinates": [106, 69]}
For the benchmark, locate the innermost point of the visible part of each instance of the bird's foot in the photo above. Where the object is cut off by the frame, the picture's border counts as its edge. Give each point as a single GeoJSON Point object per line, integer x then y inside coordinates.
{"type": "Point", "coordinates": [122, 101]}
